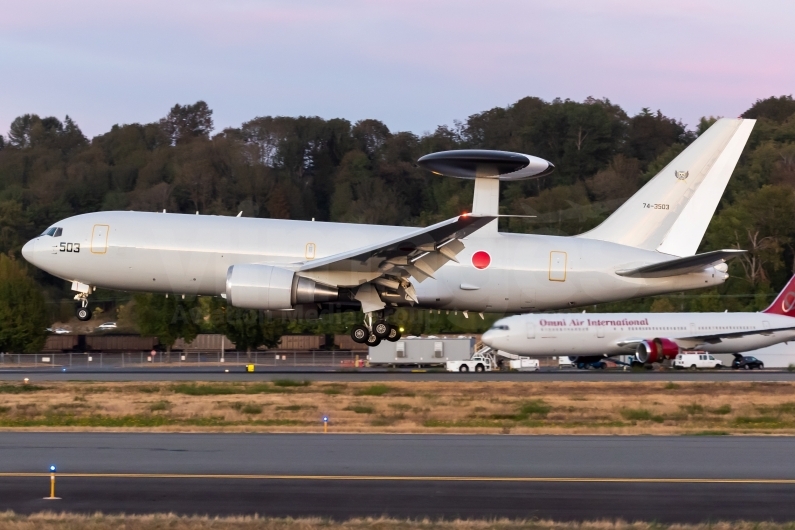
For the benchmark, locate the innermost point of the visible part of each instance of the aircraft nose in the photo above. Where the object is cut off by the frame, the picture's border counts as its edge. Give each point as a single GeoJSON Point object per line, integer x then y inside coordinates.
{"type": "Point", "coordinates": [488, 337]}
{"type": "Point", "coordinates": [28, 250]}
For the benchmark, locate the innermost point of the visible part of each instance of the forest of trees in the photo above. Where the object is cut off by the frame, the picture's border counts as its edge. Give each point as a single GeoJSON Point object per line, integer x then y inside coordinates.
{"type": "Point", "coordinates": [309, 167]}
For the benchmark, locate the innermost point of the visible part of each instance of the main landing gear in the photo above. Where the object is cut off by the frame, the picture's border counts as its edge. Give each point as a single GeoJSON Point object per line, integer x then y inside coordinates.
{"type": "Point", "coordinates": [372, 334]}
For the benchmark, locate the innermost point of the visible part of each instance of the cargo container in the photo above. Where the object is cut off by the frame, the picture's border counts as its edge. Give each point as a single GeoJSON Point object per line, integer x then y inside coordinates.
{"type": "Point", "coordinates": [60, 343]}
{"type": "Point", "coordinates": [422, 351]}
{"type": "Point", "coordinates": [302, 342]}
{"type": "Point", "coordinates": [120, 343]}
{"type": "Point", "coordinates": [205, 342]}
{"type": "Point", "coordinates": [345, 342]}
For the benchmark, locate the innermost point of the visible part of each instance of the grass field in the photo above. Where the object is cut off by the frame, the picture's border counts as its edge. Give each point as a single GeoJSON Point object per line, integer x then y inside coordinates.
{"type": "Point", "coordinates": [707, 408]}
{"type": "Point", "coordinates": [51, 521]}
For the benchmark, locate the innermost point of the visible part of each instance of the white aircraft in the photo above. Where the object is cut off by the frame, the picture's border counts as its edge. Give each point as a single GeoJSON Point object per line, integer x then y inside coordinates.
{"type": "Point", "coordinates": [646, 247]}
{"type": "Point", "coordinates": [652, 337]}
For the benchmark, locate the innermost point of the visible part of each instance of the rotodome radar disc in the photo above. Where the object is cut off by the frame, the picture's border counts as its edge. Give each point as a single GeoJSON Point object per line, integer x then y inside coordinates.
{"type": "Point", "coordinates": [483, 163]}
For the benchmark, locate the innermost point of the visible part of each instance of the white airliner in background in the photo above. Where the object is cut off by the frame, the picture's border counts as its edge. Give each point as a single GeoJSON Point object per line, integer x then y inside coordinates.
{"type": "Point", "coordinates": [652, 337]}
{"type": "Point", "coordinates": [648, 246]}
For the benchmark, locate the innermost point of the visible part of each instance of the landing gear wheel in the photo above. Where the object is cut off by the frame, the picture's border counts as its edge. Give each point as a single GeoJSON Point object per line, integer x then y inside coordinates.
{"type": "Point", "coordinates": [373, 340]}
{"type": "Point", "coordinates": [394, 334]}
{"type": "Point", "coordinates": [359, 334]}
{"type": "Point", "coordinates": [381, 329]}
{"type": "Point", "coordinates": [83, 314]}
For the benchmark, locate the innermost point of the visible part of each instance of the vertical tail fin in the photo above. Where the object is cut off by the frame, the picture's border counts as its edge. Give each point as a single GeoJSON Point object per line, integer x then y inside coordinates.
{"type": "Point", "coordinates": [671, 212]}
{"type": "Point", "coordinates": [784, 304]}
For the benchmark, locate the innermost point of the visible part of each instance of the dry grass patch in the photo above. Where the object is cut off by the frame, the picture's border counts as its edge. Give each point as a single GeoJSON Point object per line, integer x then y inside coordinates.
{"type": "Point", "coordinates": [98, 521]}
{"type": "Point", "coordinates": [430, 407]}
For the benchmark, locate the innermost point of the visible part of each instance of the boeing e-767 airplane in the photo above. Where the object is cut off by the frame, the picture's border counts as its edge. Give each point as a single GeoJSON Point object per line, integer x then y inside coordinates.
{"type": "Point", "coordinates": [652, 337]}
{"type": "Point", "coordinates": [646, 247]}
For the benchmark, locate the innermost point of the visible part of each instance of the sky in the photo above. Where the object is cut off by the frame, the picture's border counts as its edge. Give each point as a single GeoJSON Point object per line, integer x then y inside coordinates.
{"type": "Point", "coordinates": [412, 64]}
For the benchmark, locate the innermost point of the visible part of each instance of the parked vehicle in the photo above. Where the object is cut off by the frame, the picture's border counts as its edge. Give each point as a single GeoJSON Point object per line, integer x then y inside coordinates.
{"type": "Point", "coordinates": [477, 363]}
{"type": "Point", "coordinates": [746, 362]}
{"type": "Point", "coordinates": [524, 364]}
{"type": "Point", "coordinates": [59, 331]}
{"type": "Point", "coordinates": [106, 326]}
{"type": "Point", "coordinates": [696, 360]}
{"type": "Point", "coordinates": [565, 362]}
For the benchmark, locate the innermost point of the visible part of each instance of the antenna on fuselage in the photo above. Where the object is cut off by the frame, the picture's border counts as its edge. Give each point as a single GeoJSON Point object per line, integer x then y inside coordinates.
{"type": "Point", "coordinates": [487, 168]}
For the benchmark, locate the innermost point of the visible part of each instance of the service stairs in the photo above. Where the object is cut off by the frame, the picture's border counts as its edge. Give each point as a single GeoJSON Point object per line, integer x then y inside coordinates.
{"type": "Point", "coordinates": [486, 351]}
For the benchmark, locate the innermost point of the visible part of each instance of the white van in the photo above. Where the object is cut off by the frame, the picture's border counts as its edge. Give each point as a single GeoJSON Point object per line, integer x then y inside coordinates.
{"type": "Point", "coordinates": [565, 362]}
{"type": "Point", "coordinates": [524, 364]}
{"type": "Point", "coordinates": [697, 360]}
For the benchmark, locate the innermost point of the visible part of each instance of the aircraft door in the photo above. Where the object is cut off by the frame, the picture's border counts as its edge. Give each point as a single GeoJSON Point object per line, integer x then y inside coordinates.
{"type": "Point", "coordinates": [600, 332]}
{"type": "Point", "coordinates": [531, 330]}
{"type": "Point", "coordinates": [557, 266]}
{"type": "Point", "coordinates": [99, 239]}
{"type": "Point", "coordinates": [693, 328]}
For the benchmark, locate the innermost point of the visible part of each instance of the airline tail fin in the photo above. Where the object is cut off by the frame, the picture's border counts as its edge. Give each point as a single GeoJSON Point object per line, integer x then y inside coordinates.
{"type": "Point", "coordinates": [784, 304]}
{"type": "Point", "coordinates": [671, 212]}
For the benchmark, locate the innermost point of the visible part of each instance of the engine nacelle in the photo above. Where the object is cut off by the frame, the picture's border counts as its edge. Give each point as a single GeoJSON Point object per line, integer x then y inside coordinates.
{"type": "Point", "coordinates": [657, 350]}
{"type": "Point", "coordinates": [252, 286]}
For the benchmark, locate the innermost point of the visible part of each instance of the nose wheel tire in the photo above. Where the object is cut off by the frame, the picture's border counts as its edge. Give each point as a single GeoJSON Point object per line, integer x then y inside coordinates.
{"type": "Point", "coordinates": [359, 334]}
{"type": "Point", "coordinates": [83, 314]}
{"type": "Point", "coordinates": [381, 329]}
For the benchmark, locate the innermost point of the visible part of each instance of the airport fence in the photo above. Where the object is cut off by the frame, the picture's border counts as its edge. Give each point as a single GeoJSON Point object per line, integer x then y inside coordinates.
{"type": "Point", "coordinates": [119, 360]}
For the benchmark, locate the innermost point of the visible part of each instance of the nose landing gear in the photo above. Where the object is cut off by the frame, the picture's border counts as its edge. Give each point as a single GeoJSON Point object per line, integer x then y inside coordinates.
{"type": "Point", "coordinates": [83, 314]}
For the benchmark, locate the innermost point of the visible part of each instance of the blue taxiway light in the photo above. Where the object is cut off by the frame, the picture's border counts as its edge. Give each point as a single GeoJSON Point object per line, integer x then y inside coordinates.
{"type": "Point", "coordinates": [52, 468]}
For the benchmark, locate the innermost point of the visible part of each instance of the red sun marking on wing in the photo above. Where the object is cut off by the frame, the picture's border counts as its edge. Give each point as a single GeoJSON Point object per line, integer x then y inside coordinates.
{"type": "Point", "coordinates": [481, 259]}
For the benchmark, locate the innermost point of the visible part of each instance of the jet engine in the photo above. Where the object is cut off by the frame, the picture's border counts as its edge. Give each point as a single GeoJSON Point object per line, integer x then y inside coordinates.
{"type": "Point", "coordinates": [657, 350]}
{"type": "Point", "coordinates": [252, 286]}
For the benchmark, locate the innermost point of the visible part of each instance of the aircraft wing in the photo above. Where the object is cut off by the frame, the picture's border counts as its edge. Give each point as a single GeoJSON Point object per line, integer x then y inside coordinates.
{"type": "Point", "coordinates": [678, 266]}
{"type": "Point", "coordinates": [715, 338]}
{"type": "Point", "coordinates": [385, 267]}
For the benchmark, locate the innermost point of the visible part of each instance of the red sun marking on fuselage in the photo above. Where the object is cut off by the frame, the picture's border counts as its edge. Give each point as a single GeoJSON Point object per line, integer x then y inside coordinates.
{"type": "Point", "coordinates": [481, 259]}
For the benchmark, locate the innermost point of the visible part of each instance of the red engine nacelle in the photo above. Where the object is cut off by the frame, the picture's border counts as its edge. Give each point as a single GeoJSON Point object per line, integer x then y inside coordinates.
{"type": "Point", "coordinates": [657, 350]}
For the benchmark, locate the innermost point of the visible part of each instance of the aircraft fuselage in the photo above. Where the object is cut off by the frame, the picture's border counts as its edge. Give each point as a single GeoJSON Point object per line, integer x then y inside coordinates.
{"type": "Point", "coordinates": [191, 254]}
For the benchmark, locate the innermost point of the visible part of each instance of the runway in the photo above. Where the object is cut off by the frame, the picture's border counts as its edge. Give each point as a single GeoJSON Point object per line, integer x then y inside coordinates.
{"type": "Point", "coordinates": [664, 503]}
{"type": "Point", "coordinates": [672, 479]}
{"type": "Point", "coordinates": [238, 374]}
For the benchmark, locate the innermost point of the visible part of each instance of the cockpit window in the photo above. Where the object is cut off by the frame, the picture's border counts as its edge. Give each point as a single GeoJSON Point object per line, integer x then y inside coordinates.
{"type": "Point", "coordinates": [502, 327]}
{"type": "Point", "coordinates": [53, 231]}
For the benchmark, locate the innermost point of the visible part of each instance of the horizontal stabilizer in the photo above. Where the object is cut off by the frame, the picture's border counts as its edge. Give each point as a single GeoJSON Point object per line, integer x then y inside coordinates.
{"type": "Point", "coordinates": [678, 266]}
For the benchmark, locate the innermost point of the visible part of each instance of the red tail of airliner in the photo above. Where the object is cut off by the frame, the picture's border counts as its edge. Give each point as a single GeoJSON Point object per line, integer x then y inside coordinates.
{"type": "Point", "coordinates": [784, 304]}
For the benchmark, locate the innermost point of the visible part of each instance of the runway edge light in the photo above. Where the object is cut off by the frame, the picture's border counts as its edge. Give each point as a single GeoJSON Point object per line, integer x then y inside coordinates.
{"type": "Point", "coordinates": [52, 496]}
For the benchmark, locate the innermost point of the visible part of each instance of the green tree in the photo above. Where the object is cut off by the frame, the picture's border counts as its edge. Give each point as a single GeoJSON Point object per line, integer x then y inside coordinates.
{"type": "Point", "coordinates": [187, 122]}
{"type": "Point", "coordinates": [777, 109]}
{"type": "Point", "coordinates": [23, 317]}
{"type": "Point", "coordinates": [763, 224]}
{"type": "Point", "coordinates": [167, 318]}
{"type": "Point", "coordinates": [243, 327]}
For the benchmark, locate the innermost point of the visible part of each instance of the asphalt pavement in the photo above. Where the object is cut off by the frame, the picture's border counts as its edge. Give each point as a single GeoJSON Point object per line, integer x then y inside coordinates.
{"type": "Point", "coordinates": [665, 478]}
